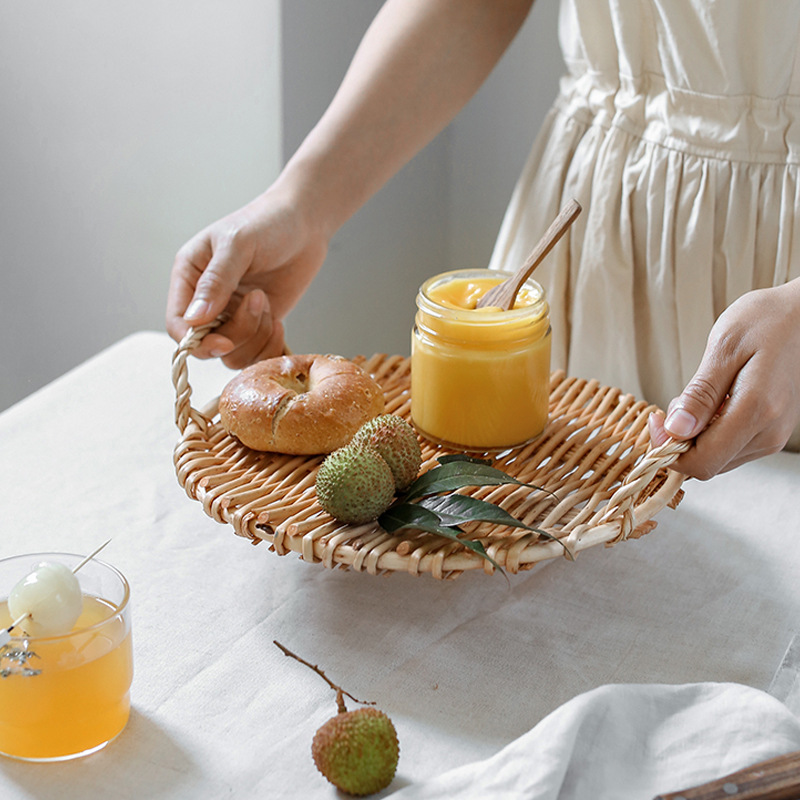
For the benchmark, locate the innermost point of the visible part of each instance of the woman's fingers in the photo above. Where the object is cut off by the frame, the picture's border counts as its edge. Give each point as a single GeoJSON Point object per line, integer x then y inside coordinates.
{"type": "Point", "coordinates": [253, 332]}
{"type": "Point", "coordinates": [744, 400]}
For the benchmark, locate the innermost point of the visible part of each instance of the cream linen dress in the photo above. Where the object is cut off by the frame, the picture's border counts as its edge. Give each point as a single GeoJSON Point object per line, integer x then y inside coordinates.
{"type": "Point", "coordinates": [677, 127]}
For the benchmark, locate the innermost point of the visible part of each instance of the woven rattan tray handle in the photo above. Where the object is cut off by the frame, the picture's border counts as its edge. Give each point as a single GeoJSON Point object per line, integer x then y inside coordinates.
{"type": "Point", "coordinates": [622, 502]}
{"type": "Point", "coordinates": [184, 413]}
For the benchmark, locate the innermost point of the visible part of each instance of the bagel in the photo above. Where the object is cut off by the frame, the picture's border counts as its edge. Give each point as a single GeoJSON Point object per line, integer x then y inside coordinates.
{"type": "Point", "coordinates": [299, 404]}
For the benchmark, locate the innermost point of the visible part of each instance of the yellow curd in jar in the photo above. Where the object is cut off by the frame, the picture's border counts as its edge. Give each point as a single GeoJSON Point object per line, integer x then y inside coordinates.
{"type": "Point", "coordinates": [480, 378]}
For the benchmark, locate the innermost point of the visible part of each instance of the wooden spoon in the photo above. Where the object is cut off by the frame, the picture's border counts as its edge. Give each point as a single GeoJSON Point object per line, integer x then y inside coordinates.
{"type": "Point", "coordinates": [503, 295]}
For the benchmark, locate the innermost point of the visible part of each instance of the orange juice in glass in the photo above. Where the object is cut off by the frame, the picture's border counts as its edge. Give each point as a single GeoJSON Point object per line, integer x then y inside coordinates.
{"type": "Point", "coordinates": [480, 378]}
{"type": "Point", "coordinates": [68, 695]}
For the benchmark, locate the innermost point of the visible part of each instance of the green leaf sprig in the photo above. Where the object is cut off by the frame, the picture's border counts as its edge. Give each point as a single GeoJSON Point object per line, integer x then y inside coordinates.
{"type": "Point", "coordinates": [431, 505]}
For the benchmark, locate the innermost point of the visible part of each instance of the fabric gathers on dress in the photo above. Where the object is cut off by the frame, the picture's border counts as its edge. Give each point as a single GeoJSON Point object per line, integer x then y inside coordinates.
{"type": "Point", "coordinates": [677, 127]}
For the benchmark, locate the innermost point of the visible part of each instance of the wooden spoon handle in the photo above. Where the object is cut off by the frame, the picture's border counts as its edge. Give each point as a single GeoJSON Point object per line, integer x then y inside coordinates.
{"type": "Point", "coordinates": [775, 779]}
{"type": "Point", "coordinates": [504, 294]}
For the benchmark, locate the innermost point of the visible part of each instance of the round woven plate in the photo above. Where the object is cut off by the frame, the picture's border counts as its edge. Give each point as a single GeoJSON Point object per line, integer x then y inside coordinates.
{"type": "Point", "coordinates": [604, 482]}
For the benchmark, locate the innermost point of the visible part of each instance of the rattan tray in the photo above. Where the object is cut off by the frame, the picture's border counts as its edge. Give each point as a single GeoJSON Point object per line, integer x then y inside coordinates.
{"type": "Point", "coordinates": [594, 457]}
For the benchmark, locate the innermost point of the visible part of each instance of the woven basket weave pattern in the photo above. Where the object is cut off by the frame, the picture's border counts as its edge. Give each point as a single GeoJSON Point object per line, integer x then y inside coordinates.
{"type": "Point", "coordinates": [604, 482]}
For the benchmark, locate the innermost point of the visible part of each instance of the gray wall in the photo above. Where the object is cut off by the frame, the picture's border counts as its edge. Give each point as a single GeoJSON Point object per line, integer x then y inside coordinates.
{"type": "Point", "coordinates": [127, 128]}
{"type": "Point", "coordinates": [443, 210]}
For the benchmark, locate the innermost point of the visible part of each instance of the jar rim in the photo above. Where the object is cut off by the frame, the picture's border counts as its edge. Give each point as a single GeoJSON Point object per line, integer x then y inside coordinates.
{"type": "Point", "coordinates": [535, 310]}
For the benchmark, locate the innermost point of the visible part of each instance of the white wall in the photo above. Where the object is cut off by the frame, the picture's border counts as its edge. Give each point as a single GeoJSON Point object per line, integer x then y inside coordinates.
{"type": "Point", "coordinates": [128, 127]}
{"type": "Point", "coordinates": [491, 138]}
{"type": "Point", "coordinates": [362, 301]}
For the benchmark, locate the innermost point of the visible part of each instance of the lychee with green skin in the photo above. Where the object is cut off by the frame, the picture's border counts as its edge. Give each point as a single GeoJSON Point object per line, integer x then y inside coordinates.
{"type": "Point", "coordinates": [355, 485]}
{"type": "Point", "coordinates": [398, 445]}
{"type": "Point", "coordinates": [357, 751]}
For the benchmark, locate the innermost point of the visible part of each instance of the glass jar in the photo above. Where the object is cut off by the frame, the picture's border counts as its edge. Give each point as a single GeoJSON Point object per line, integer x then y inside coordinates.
{"type": "Point", "coordinates": [480, 378]}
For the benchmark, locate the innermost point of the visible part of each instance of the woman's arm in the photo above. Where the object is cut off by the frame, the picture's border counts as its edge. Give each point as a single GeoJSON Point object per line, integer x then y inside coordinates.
{"type": "Point", "coordinates": [416, 67]}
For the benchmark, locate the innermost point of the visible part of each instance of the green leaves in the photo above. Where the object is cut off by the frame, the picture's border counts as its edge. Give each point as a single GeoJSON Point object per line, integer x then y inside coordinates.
{"type": "Point", "coordinates": [400, 516]}
{"type": "Point", "coordinates": [431, 505]}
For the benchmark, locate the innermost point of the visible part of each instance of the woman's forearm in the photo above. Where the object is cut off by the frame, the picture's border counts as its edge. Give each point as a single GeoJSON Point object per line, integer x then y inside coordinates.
{"type": "Point", "coordinates": [416, 67]}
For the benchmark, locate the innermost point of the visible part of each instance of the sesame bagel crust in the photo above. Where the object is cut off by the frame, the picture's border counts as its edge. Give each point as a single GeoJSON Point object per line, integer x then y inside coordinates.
{"type": "Point", "coordinates": [299, 404]}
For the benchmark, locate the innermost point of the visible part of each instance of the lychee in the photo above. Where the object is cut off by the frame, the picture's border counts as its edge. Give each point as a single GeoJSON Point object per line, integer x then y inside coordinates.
{"type": "Point", "coordinates": [357, 751]}
{"type": "Point", "coordinates": [397, 444]}
{"type": "Point", "coordinates": [354, 484]}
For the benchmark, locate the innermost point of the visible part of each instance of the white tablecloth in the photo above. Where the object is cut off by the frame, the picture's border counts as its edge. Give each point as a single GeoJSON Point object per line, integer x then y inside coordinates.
{"type": "Point", "coordinates": [464, 668]}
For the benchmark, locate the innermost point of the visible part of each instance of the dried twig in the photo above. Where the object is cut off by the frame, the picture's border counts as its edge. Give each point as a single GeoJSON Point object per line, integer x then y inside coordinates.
{"type": "Point", "coordinates": [339, 691]}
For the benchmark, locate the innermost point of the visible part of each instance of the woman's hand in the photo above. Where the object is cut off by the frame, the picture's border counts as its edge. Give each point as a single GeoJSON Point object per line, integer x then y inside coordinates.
{"type": "Point", "coordinates": [744, 400]}
{"type": "Point", "coordinates": [254, 264]}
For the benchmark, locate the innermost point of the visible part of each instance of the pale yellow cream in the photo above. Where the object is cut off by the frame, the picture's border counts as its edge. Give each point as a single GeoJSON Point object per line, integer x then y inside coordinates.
{"type": "Point", "coordinates": [464, 293]}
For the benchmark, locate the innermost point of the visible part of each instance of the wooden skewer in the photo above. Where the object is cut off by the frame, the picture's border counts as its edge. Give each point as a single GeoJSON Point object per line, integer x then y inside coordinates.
{"type": "Point", "coordinates": [91, 556]}
{"type": "Point", "coordinates": [5, 635]}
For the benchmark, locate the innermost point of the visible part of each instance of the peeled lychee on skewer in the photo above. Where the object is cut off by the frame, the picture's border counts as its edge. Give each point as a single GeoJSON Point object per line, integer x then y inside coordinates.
{"type": "Point", "coordinates": [48, 600]}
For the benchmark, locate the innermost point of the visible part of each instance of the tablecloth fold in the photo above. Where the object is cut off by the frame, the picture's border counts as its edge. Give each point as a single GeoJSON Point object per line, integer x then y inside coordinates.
{"type": "Point", "coordinates": [627, 742]}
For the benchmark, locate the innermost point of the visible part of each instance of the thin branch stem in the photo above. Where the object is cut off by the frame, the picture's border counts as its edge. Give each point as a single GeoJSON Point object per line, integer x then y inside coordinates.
{"type": "Point", "coordinates": [340, 693]}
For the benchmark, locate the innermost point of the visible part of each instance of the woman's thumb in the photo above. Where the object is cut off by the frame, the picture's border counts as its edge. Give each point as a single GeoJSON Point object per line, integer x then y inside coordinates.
{"type": "Point", "coordinates": [212, 293]}
{"type": "Point", "coordinates": [696, 406]}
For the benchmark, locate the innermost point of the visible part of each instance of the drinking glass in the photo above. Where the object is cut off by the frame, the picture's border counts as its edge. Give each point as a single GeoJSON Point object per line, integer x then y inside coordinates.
{"type": "Point", "coordinates": [66, 696]}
